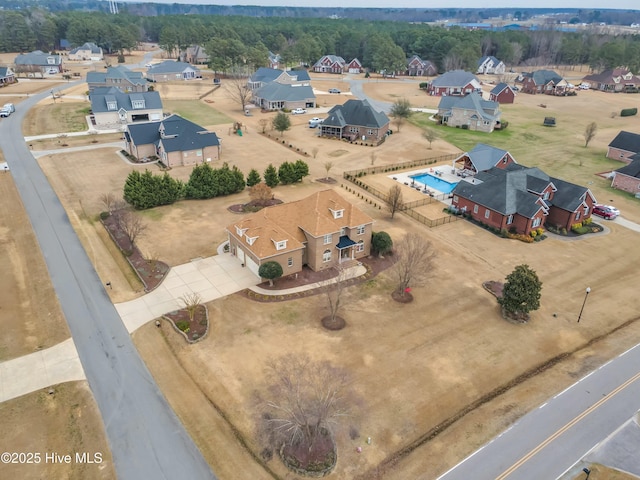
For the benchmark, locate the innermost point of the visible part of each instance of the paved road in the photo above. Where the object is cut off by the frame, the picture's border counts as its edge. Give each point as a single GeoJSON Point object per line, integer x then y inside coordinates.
{"type": "Point", "coordinates": [146, 438]}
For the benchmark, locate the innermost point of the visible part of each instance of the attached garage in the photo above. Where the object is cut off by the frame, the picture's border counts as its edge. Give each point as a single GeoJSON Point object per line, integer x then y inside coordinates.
{"type": "Point", "coordinates": [248, 261]}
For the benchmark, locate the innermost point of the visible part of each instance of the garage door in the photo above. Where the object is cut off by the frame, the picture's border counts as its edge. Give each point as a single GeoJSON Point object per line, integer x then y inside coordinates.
{"type": "Point", "coordinates": [253, 266]}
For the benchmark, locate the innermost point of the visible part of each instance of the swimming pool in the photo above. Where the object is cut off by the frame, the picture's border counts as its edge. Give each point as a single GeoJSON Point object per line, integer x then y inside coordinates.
{"type": "Point", "coordinates": [434, 182]}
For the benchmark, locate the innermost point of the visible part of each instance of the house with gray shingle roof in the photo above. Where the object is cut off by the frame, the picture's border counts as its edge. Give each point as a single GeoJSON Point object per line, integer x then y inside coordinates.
{"type": "Point", "coordinates": [195, 54]}
{"type": "Point", "coordinates": [544, 81]}
{"type": "Point", "coordinates": [483, 157]}
{"type": "Point", "coordinates": [470, 112]}
{"type": "Point", "coordinates": [355, 120]}
{"type": "Point", "coordinates": [416, 67]}
{"type": "Point", "coordinates": [490, 64]}
{"type": "Point", "coordinates": [613, 80]}
{"type": "Point", "coordinates": [627, 178]}
{"type": "Point", "coordinates": [456, 83]}
{"type": "Point", "coordinates": [88, 51]}
{"type": "Point", "coordinates": [175, 140]}
{"type": "Point", "coordinates": [169, 70]}
{"type": "Point", "coordinates": [111, 107]}
{"type": "Point", "coordinates": [624, 146]}
{"type": "Point", "coordinates": [330, 64]}
{"type": "Point", "coordinates": [120, 77]}
{"type": "Point", "coordinates": [7, 76]}
{"type": "Point", "coordinates": [38, 62]}
{"type": "Point", "coordinates": [521, 199]}
{"type": "Point", "coordinates": [502, 93]}
{"type": "Point", "coordinates": [276, 89]}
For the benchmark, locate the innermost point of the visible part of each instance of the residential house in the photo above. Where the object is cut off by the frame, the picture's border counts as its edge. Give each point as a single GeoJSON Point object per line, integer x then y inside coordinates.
{"type": "Point", "coordinates": [614, 80]}
{"type": "Point", "coordinates": [120, 77]}
{"type": "Point", "coordinates": [274, 60]}
{"type": "Point", "coordinates": [354, 66]}
{"type": "Point", "coordinates": [175, 140]}
{"type": "Point", "coordinates": [89, 51]}
{"type": "Point", "coordinates": [482, 158]}
{"type": "Point", "coordinates": [455, 82]}
{"type": "Point", "coordinates": [356, 120]}
{"type": "Point", "coordinates": [470, 112]}
{"type": "Point", "coordinates": [624, 146]}
{"type": "Point", "coordinates": [416, 67]}
{"type": "Point", "coordinates": [330, 64]}
{"type": "Point", "coordinates": [502, 93]}
{"type": "Point", "coordinates": [170, 70]}
{"type": "Point", "coordinates": [490, 64]}
{"type": "Point", "coordinates": [38, 62]}
{"type": "Point", "coordinates": [544, 81]}
{"type": "Point", "coordinates": [320, 231]}
{"type": "Point", "coordinates": [195, 55]}
{"type": "Point", "coordinates": [627, 178]}
{"type": "Point", "coordinates": [275, 89]}
{"type": "Point", "coordinates": [521, 199]}
{"type": "Point", "coordinates": [7, 76]}
{"type": "Point", "coordinates": [111, 107]}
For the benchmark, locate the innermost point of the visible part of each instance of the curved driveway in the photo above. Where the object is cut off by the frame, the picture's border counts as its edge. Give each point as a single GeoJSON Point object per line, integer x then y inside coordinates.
{"type": "Point", "coordinates": [146, 438]}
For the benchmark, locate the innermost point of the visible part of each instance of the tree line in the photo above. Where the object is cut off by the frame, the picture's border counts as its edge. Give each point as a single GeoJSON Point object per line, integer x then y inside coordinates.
{"type": "Point", "coordinates": [236, 41]}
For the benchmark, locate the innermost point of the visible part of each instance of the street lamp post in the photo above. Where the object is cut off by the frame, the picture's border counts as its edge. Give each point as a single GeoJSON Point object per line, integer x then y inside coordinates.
{"type": "Point", "coordinates": [587, 291]}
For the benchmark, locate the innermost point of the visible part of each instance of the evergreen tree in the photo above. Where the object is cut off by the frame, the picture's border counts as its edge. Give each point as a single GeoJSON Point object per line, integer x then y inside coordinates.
{"type": "Point", "coordinates": [281, 122]}
{"type": "Point", "coordinates": [253, 178]}
{"type": "Point", "coordinates": [521, 291]}
{"type": "Point", "coordinates": [301, 169]}
{"type": "Point", "coordinates": [201, 182]}
{"type": "Point", "coordinates": [270, 271]}
{"type": "Point", "coordinates": [381, 243]}
{"type": "Point", "coordinates": [287, 173]}
{"type": "Point", "coordinates": [271, 176]}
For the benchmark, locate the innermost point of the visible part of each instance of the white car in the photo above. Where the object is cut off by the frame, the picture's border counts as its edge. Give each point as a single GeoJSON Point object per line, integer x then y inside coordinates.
{"type": "Point", "coordinates": [298, 111]}
{"type": "Point", "coordinates": [612, 209]}
{"type": "Point", "coordinates": [584, 86]}
{"type": "Point", "coordinates": [315, 121]}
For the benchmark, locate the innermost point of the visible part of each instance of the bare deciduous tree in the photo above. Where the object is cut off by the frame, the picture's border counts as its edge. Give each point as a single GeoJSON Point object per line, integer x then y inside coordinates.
{"type": "Point", "coordinates": [191, 302]}
{"type": "Point", "coordinates": [314, 151]}
{"type": "Point", "coordinates": [414, 254]}
{"type": "Point", "coordinates": [430, 135]}
{"type": "Point", "coordinates": [306, 400]}
{"type": "Point", "coordinates": [372, 155]}
{"type": "Point", "coordinates": [260, 193]}
{"type": "Point", "coordinates": [108, 201]}
{"type": "Point", "coordinates": [327, 166]}
{"type": "Point", "coordinates": [237, 88]}
{"type": "Point", "coordinates": [131, 224]}
{"type": "Point", "coordinates": [333, 290]}
{"type": "Point", "coordinates": [394, 199]}
{"type": "Point", "coordinates": [264, 123]}
{"type": "Point", "coordinates": [589, 133]}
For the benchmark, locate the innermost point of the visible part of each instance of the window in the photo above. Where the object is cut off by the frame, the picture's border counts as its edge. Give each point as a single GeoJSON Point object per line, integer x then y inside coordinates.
{"type": "Point", "coordinates": [546, 196]}
{"type": "Point", "coordinates": [250, 240]}
{"type": "Point", "coordinates": [199, 153]}
{"type": "Point", "coordinates": [360, 246]}
{"type": "Point", "coordinates": [509, 219]}
{"type": "Point", "coordinates": [360, 229]}
{"type": "Point", "coordinates": [371, 132]}
{"type": "Point", "coordinates": [343, 231]}
{"type": "Point", "coordinates": [337, 213]}
{"type": "Point", "coordinates": [353, 129]}
{"type": "Point", "coordinates": [137, 104]}
{"type": "Point", "coordinates": [487, 212]}
{"type": "Point", "coordinates": [585, 211]}
{"type": "Point", "coordinates": [327, 239]}
{"type": "Point", "coordinates": [290, 262]}
{"type": "Point", "coordinates": [326, 256]}
{"type": "Point", "coordinates": [475, 209]}
{"type": "Point", "coordinates": [536, 222]}
{"type": "Point", "coordinates": [455, 199]}
{"type": "Point", "coordinates": [578, 215]}
{"type": "Point", "coordinates": [240, 231]}
{"type": "Point", "coordinates": [112, 106]}
{"type": "Point", "coordinates": [281, 245]}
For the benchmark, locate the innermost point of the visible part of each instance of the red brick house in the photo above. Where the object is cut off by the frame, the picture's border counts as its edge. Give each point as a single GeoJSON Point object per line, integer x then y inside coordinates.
{"type": "Point", "coordinates": [456, 82]}
{"type": "Point", "coordinates": [416, 67]}
{"type": "Point", "coordinates": [355, 120]}
{"type": "Point", "coordinates": [320, 231]}
{"type": "Point", "coordinates": [330, 64]}
{"type": "Point", "coordinates": [521, 199]}
{"type": "Point", "coordinates": [502, 93]}
{"type": "Point", "coordinates": [624, 146]}
{"type": "Point", "coordinates": [614, 80]}
{"type": "Point", "coordinates": [483, 157]}
{"type": "Point", "coordinates": [354, 66]}
{"type": "Point", "coordinates": [547, 82]}
{"type": "Point", "coordinates": [627, 178]}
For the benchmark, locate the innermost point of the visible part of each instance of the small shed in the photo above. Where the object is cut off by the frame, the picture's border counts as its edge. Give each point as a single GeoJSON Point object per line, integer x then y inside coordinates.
{"type": "Point", "coordinates": [549, 121]}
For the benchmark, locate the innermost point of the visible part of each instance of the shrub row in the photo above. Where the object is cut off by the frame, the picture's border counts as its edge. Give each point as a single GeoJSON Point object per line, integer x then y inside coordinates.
{"type": "Point", "coordinates": [628, 112]}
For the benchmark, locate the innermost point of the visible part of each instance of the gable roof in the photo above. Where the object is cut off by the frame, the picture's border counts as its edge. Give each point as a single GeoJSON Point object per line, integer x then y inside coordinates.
{"type": "Point", "coordinates": [100, 96]}
{"type": "Point", "coordinates": [627, 141]}
{"type": "Point", "coordinates": [614, 75]}
{"type": "Point", "coordinates": [290, 221]}
{"type": "Point", "coordinates": [355, 112]}
{"type": "Point", "coordinates": [170, 66]}
{"type": "Point", "coordinates": [497, 90]}
{"type": "Point", "coordinates": [332, 58]}
{"type": "Point", "coordinates": [5, 71]}
{"type": "Point", "coordinates": [454, 78]}
{"type": "Point", "coordinates": [179, 134]}
{"type": "Point", "coordinates": [632, 169]}
{"type": "Point", "coordinates": [489, 57]}
{"type": "Point", "coordinates": [542, 77]}
{"type": "Point", "coordinates": [37, 57]}
{"type": "Point", "coordinates": [483, 156]}
{"type": "Point", "coordinates": [265, 75]}
{"type": "Point", "coordinates": [285, 92]}
{"type": "Point", "coordinates": [472, 101]}
{"type": "Point", "coordinates": [92, 47]}
{"type": "Point", "coordinates": [113, 73]}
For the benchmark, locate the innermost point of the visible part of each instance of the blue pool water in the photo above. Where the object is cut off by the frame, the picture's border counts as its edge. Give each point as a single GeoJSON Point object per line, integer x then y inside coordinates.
{"type": "Point", "coordinates": [434, 182]}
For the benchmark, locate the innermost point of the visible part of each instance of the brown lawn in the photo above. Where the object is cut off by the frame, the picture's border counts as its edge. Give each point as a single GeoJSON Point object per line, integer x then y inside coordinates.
{"type": "Point", "coordinates": [415, 365]}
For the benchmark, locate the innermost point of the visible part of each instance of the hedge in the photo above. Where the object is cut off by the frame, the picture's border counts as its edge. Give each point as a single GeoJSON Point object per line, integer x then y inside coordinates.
{"type": "Point", "coordinates": [628, 112]}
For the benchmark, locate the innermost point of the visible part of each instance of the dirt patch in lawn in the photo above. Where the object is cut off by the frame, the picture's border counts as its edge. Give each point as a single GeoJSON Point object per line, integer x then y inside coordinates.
{"type": "Point", "coordinates": [65, 422]}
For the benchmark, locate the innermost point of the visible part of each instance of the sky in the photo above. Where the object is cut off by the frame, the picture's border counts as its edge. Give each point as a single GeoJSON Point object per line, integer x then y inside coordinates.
{"type": "Point", "coordinates": [586, 4]}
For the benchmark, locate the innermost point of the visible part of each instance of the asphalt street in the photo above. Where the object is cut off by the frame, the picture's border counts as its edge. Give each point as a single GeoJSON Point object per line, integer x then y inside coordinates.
{"type": "Point", "coordinates": [146, 438]}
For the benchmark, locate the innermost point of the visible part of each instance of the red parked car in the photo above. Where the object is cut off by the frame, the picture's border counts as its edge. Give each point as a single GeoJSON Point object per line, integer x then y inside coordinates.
{"type": "Point", "coordinates": [604, 212]}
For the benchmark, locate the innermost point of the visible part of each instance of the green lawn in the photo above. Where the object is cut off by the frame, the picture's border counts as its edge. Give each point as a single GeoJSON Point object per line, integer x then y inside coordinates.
{"type": "Point", "coordinates": [69, 117]}
{"type": "Point", "coordinates": [196, 111]}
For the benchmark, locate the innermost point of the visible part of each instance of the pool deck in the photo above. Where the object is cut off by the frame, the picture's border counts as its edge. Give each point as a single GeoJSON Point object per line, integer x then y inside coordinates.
{"type": "Point", "coordinates": [441, 171]}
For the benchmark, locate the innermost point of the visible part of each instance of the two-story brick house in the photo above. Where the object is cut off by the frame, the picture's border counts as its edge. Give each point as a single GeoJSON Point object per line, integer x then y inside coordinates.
{"type": "Point", "coordinates": [356, 120]}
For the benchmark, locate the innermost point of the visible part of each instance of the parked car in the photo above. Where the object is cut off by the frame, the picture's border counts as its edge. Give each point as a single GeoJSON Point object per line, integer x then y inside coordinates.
{"type": "Point", "coordinates": [315, 121]}
{"type": "Point", "coordinates": [9, 106]}
{"type": "Point", "coordinates": [5, 112]}
{"type": "Point", "coordinates": [612, 209]}
{"type": "Point", "coordinates": [298, 111]}
{"type": "Point", "coordinates": [334, 90]}
{"type": "Point", "coordinates": [603, 212]}
{"type": "Point", "coordinates": [584, 86]}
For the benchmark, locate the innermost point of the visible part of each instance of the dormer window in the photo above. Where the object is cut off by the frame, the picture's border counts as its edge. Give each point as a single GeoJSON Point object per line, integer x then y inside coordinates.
{"type": "Point", "coordinates": [51, 60]}
{"type": "Point", "coordinates": [250, 240]}
{"type": "Point", "coordinates": [281, 245]}
{"type": "Point", "coordinates": [240, 231]}
{"type": "Point", "coordinates": [337, 213]}
{"type": "Point", "coordinates": [112, 105]}
{"type": "Point", "coordinates": [137, 104]}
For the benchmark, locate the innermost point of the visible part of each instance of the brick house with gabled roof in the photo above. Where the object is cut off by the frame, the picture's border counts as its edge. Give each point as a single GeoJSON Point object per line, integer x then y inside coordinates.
{"type": "Point", "coordinates": [38, 62]}
{"type": "Point", "coordinates": [627, 178]}
{"type": "Point", "coordinates": [88, 51]}
{"type": "Point", "coordinates": [354, 66]}
{"type": "Point", "coordinates": [330, 64]}
{"type": "Point", "coordinates": [355, 120]}
{"type": "Point", "coordinates": [321, 231]}
{"type": "Point", "coordinates": [613, 80]}
{"type": "Point", "coordinates": [274, 89]}
{"type": "Point", "coordinates": [521, 199]}
{"type": "Point", "coordinates": [456, 82]}
{"type": "Point", "coordinates": [483, 157]}
{"type": "Point", "coordinates": [7, 76]}
{"type": "Point", "coordinates": [416, 67]}
{"type": "Point", "coordinates": [490, 64]}
{"type": "Point", "coordinates": [624, 146]}
{"type": "Point", "coordinates": [547, 82]}
{"type": "Point", "coordinates": [120, 77]}
{"type": "Point", "coordinates": [502, 93]}
{"type": "Point", "coordinates": [470, 112]}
